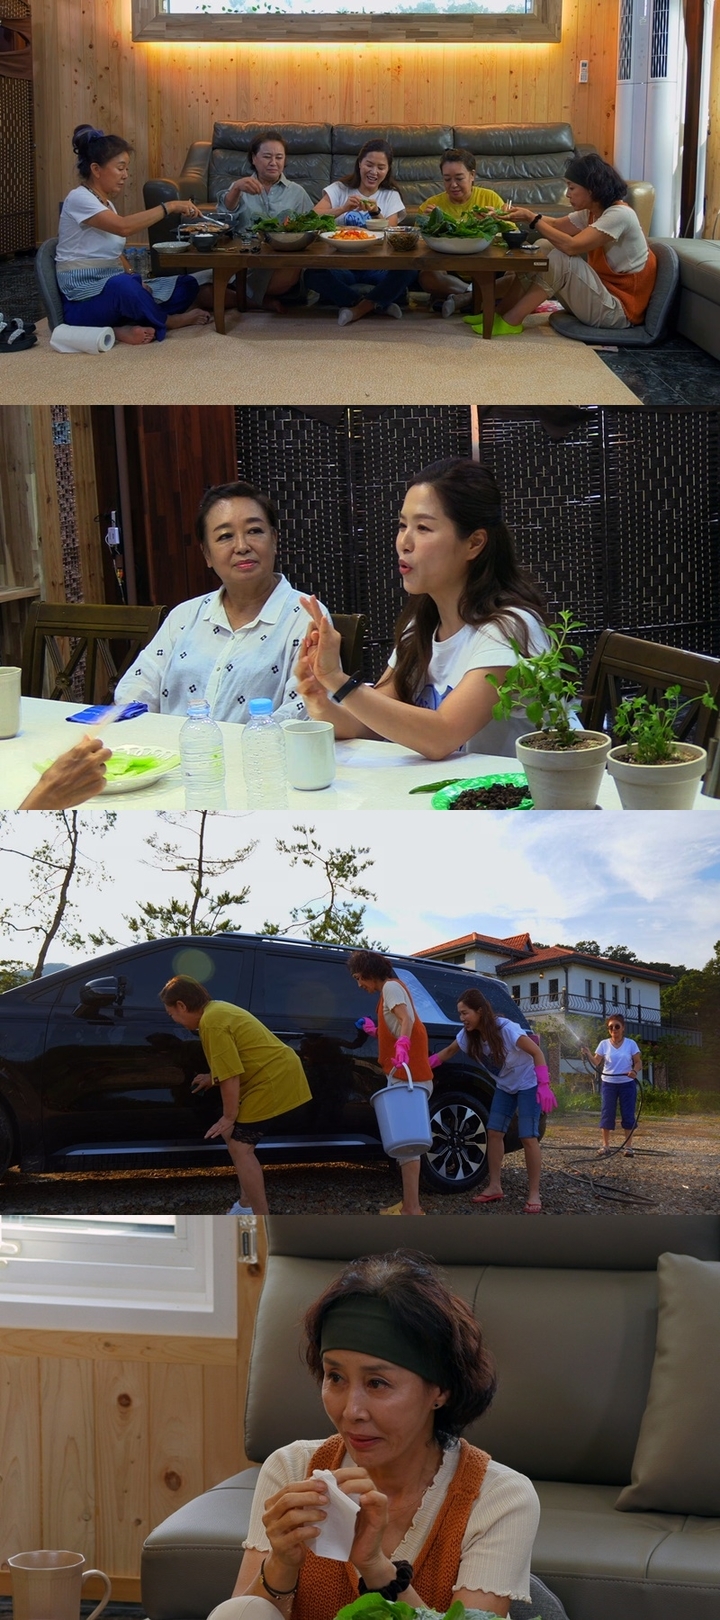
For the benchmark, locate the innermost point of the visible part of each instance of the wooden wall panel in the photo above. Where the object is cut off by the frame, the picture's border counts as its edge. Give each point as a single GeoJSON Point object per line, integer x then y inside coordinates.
{"type": "Point", "coordinates": [712, 179]}
{"type": "Point", "coordinates": [176, 1448]}
{"type": "Point", "coordinates": [122, 1463]}
{"type": "Point", "coordinates": [20, 1467]}
{"type": "Point", "coordinates": [163, 97]}
{"type": "Point", "coordinates": [68, 1455]}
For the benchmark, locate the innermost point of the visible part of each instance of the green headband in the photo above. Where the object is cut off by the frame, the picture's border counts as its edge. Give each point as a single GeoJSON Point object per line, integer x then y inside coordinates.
{"type": "Point", "coordinates": [364, 1322]}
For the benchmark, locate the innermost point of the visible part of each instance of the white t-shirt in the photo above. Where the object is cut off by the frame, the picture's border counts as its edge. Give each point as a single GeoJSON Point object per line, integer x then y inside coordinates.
{"type": "Point", "coordinates": [499, 1535]}
{"type": "Point", "coordinates": [629, 249]}
{"type": "Point", "coordinates": [394, 994]}
{"type": "Point", "coordinates": [486, 647]}
{"type": "Point", "coordinates": [518, 1070]}
{"type": "Point", "coordinates": [78, 241]}
{"type": "Point", "coordinates": [388, 201]}
{"type": "Point", "coordinates": [617, 1060]}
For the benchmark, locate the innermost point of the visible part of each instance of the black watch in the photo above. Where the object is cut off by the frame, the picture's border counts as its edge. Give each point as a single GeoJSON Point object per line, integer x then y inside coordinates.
{"type": "Point", "coordinates": [534, 221]}
{"type": "Point", "coordinates": [347, 687]}
{"type": "Point", "coordinates": [403, 1577]}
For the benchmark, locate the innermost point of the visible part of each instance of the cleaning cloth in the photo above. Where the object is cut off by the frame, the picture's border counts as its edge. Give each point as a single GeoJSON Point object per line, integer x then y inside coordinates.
{"type": "Point", "coordinates": [337, 1530]}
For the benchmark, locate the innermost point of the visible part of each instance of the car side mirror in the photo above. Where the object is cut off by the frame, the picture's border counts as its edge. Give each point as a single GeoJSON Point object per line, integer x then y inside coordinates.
{"type": "Point", "coordinates": [99, 993]}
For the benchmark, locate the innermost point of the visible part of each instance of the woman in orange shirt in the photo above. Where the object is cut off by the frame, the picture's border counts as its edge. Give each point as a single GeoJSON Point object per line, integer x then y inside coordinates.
{"type": "Point", "coordinates": [600, 265]}
{"type": "Point", "coordinates": [402, 1038]}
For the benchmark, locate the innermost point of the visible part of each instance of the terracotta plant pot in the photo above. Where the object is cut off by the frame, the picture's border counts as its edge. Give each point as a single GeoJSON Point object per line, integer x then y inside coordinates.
{"type": "Point", "coordinates": [658, 787]}
{"type": "Point", "coordinates": [567, 778]}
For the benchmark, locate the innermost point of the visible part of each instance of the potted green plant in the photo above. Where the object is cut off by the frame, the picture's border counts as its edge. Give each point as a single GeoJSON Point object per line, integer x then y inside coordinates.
{"type": "Point", "coordinates": [653, 769]}
{"type": "Point", "coordinates": [563, 764]}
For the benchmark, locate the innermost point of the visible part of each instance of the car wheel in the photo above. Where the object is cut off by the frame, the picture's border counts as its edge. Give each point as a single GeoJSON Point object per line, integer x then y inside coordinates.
{"type": "Point", "coordinates": [7, 1142]}
{"type": "Point", "coordinates": [457, 1159]}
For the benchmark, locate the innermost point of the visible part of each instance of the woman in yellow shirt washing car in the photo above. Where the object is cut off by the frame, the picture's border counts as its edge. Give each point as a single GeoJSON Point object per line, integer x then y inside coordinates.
{"type": "Point", "coordinates": [457, 167]}
{"type": "Point", "coordinates": [258, 1075]}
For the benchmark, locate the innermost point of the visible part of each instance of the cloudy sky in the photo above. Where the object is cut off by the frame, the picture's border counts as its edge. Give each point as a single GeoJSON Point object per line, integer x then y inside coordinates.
{"type": "Point", "coordinates": [651, 882]}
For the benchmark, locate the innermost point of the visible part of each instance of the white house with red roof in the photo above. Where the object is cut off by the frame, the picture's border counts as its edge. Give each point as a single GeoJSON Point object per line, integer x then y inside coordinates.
{"type": "Point", "coordinates": [556, 978]}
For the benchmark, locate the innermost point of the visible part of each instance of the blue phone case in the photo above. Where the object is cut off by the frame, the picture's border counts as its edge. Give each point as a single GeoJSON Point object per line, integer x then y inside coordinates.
{"type": "Point", "coordinates": [91, 717]}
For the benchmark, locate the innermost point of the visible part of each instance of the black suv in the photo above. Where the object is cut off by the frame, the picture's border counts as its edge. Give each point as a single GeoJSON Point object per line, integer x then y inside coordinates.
{"type": "Point", "coordinates": [93, 1074]}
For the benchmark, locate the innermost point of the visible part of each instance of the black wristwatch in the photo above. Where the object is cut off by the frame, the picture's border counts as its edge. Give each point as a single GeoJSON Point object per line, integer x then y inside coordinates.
{"type": "Point", "coordinates": [347, 687]}
{"type": "Point", "coordinates": [534, 221]}
{"type": "Point", "coordinates": [164, 209]}
{"type": "Point", "coordinates": [403, 1577]}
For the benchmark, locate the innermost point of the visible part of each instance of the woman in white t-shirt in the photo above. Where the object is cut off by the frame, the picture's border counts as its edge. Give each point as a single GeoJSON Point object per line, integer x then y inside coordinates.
{"type": "Point", "coordinates": [97, 285]}
{"type": "Point", "coordinates": [618, 1061]}
{"type": "Point", "coordinates": [402, 1368]}
{"type": "Point", "coordinates": [600, 265]}
{"type": "Point", "coordinates": [370, 188]}
{"type": "Point", "coordinates": [469, 600]}
{"type": "Point", "coordinates": [522, 1087]}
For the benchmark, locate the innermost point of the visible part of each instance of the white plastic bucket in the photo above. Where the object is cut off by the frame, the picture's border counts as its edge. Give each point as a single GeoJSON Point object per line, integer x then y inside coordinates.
{"type": "Point", "coordinates": [403, 1116]}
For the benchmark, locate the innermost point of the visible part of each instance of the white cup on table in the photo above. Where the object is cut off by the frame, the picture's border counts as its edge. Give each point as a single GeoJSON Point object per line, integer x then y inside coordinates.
{"type": "Point", "coordinates": [310, 754]}
{"type": "Point", "coordinates": [9, 700]}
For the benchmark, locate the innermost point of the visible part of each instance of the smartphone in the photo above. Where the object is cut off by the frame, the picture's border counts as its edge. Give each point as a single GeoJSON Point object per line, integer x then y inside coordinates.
{"type": "Point", "coordinates": [95, 715]}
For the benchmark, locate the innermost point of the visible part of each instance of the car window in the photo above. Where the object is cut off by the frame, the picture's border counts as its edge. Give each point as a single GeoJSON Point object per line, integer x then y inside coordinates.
{"type": "Point", "coordinates": [310, 989]}
{"type": "Point", "coordinates": [447, 988]}
{"type": "Point", "coordinates": [427, 1008]}
{"type": "Point", "coordinates": [218, 970]}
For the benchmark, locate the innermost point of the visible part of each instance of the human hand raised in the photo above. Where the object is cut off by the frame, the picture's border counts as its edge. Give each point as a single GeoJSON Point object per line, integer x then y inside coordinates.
{"type": "Point", "coordinates": [292, 1520]}
{"type": "Point", "coordinates": [74, 777]}
{"type": "Point", "coordinates": [371, 1522]}
{"type": "Point", "coordinates": [324, 644]}
{"type": "Point", "coordinates": [247, 183]}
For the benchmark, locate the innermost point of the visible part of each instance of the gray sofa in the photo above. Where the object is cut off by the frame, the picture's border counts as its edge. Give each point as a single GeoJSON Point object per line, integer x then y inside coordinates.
{"type": "Point", "coordinates": [698, 315]}
{"type": "Point", "coordinates": [569, 1309]}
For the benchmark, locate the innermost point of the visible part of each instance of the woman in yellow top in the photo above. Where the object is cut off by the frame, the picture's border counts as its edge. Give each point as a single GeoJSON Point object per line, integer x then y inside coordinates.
{"type": "Point", "coordinates": [457, 167]}
{"type": "Point", "coordinates": [258, 1075]}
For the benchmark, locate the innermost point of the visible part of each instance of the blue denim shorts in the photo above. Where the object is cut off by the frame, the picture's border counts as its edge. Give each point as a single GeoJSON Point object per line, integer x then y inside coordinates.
{"type": "Point", "coordinates": [503, 1107]}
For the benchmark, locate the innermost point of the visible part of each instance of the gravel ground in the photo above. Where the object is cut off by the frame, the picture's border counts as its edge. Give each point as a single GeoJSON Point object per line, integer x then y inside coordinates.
{"type": "Point", "coordinates": [675, 1171]}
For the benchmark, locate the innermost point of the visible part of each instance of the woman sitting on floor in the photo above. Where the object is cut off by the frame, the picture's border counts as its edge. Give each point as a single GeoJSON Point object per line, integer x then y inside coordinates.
{"type": "Point", "coordinates": [239, 642]}
{"type": "Point", "coordinates": [403, 1368]}
{"type": "Point", "coordinates": [371, 188]}
{"type": "Point", "coordinates": [457, 167]}
{"type": "Point", "coordinates": [601, 268]}
{"type": "Point", "coordinates": [96, 283]}
{"type": "Point", "coordinates": [469, 601]}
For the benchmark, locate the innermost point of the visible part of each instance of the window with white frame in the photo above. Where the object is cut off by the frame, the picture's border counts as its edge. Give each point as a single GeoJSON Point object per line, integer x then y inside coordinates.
{"type": "Point", "coordinates": [120, 1270]}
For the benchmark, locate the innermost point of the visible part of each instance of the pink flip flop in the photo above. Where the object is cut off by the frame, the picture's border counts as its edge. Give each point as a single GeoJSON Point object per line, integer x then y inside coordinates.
{"type": "Point", "coordinates": [489, 1198]}
{"type": "Point", "coordinates": [533, 1209]}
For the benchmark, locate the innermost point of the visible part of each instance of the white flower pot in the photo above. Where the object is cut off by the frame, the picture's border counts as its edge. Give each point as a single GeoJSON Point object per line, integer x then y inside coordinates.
{"type": "Point", "coordinates": [658, 787]}
{"type": "Point", "coordinates": [567, 778]}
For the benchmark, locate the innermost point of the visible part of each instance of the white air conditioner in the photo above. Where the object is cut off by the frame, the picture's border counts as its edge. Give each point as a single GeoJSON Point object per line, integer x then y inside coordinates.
{"type": "Point", "coordinates": [650, 105]}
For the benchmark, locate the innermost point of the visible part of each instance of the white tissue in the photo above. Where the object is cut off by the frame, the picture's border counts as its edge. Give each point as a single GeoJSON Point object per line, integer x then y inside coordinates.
{"type": "Point", "coordinates": [337, 1530]}
{"type": "Point", "coordinates": [82, 339]}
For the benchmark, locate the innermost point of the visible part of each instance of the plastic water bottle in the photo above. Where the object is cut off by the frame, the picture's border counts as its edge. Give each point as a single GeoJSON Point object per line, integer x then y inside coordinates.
{"type": "Point", "coordinates": [202, 759]}
{"type": "Point", "coordinates": [264, 758]}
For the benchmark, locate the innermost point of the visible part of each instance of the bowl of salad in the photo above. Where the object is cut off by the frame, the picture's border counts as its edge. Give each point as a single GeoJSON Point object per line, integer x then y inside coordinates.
{"type": "Point", "coordinates": [351, 239]}
{"type": "Point", "coordinates": [471, 232]}
{"type": "Point", "coordinates": [294, 232]}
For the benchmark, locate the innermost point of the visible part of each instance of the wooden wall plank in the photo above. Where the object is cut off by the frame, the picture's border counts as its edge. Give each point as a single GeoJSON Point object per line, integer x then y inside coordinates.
{"type": "Point", "coordinates": [89, 532]}
{"type": "Point", "coordinates": [68, 1455]}
{"type": "Point", "coordinates": [222, 1424]}
{"type": "Point", "coordinates": [122, 1463]}
{"type": "Point", "coordinates": [20, 1465]}
{"type": "Point", "coordinates": [176, 1440]}
{"type": "Point", "coordinates": [712, 178]}
{"type": "Point", "coordinates": [162, 97]}
{"type": "Point", "coordinates": [118, 1346]}
{"type": "Point", "coordinates": [250, 1281]}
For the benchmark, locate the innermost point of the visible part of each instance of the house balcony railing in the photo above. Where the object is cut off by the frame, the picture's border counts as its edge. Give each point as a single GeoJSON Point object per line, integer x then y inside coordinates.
{"type": "Point", "coordinates": [647, 1023]}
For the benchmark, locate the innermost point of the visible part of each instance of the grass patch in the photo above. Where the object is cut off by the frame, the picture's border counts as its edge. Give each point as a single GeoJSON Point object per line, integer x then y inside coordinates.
{"type": "Point", "coordinates": [659, 1103]}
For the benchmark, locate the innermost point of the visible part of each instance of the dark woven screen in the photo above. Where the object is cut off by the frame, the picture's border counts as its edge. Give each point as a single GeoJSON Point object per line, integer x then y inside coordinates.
{"type": "Point", "coordinates": [338, 476]}
{"type": "Point", "coordinates": [17, 148]}
{"type": "Point", "coordinates": [615, 510]}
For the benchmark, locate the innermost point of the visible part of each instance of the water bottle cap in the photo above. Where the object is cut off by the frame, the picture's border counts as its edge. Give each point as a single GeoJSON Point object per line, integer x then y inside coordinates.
{"type": "Point", "coordinates": [197, 708]}
{"type": "Point", "coordinates": [261, 706]}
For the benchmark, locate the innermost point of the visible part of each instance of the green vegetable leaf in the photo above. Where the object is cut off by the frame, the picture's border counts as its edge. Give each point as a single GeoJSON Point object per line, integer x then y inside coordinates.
{"type": "Point", "coordinates": [434, 787]}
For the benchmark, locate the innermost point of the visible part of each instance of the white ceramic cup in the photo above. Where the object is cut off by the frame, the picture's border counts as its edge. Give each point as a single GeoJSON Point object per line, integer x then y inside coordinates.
{"type": "Point", "coordinates": [48, 1585]}
{"type": "Point", "coordinates": [310, 754]}
{"type": "Point", "coordinates": [9, 700]}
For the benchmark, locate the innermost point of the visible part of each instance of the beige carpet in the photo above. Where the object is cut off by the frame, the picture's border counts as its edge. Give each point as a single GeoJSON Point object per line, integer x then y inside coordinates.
{"type": "Point", "coordinates": [306, 359]}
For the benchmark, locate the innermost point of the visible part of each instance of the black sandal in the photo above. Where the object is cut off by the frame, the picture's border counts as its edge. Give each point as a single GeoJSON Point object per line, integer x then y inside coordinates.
{"type": "Point", "coordinates": [16, 335]}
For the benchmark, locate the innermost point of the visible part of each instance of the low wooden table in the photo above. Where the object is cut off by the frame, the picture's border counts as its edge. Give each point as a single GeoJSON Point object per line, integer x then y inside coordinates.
{"type": "Point", "coordinates": [481, 269]}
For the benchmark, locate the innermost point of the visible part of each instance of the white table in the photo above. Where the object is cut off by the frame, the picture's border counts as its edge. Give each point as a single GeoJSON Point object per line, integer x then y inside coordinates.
{"type": "Point", "coordinates": [370, 775]}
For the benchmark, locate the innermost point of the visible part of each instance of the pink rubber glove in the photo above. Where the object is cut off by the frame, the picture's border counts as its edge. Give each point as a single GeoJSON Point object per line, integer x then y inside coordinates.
{"type": "Point", "coordinates": [366, 1025]}
{"type": "Point", "coordinates": [435, 1059]}
{"type": "Point", "coordinates": [402, 1051]}
{"type": "Point", "coordinates": [545, 1094]}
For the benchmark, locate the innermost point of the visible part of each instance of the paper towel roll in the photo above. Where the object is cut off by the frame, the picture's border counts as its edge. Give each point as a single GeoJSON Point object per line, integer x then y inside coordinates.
{"type": "Point", "coordinates": [82, 339]}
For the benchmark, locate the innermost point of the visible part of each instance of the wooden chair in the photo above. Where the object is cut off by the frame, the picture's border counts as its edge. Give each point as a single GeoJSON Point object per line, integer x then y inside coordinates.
{"type": "Point", "coordinates": [87, 631]}
{"type": "Point", "coordinates": [625, 666]}
{"type": "Point", "coordinates": [352, 627]}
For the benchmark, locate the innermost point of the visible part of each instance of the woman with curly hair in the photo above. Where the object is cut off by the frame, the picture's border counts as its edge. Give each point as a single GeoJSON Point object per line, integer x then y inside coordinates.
{"type": "Point", "coordinates": [403, 1368]}
{"type": "Point", "coordinates": [470, 605]}
{"type": "Point", "coordinates": [600, 265]}
{"type": "Point", "coordinates": [402, 1039]}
